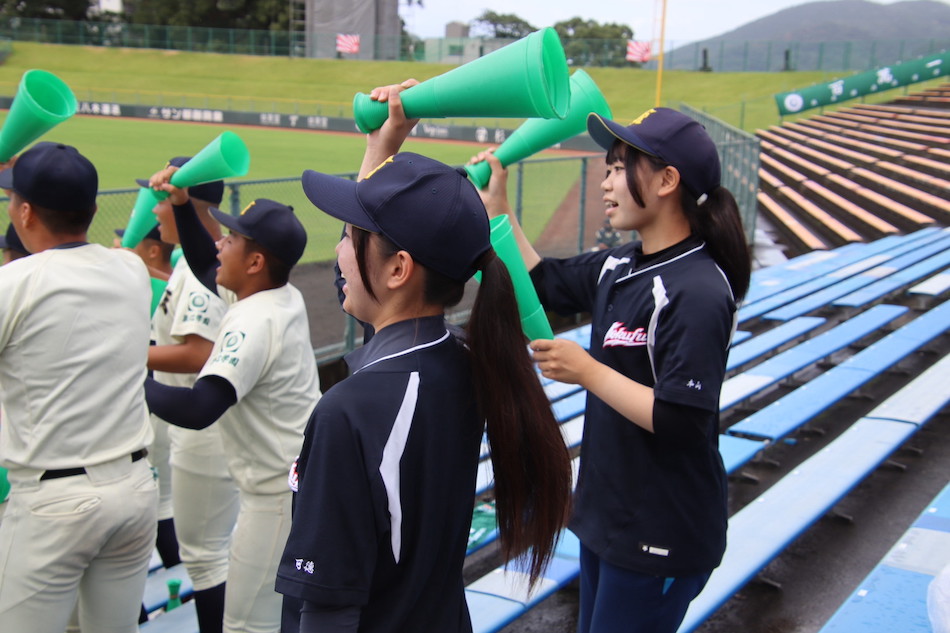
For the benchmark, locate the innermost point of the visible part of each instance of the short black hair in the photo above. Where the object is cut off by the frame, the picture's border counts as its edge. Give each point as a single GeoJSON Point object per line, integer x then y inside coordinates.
{"type": "Point", "coordinates": [277, 271]}
{"type": "Point", "coordinates": [59, 222]}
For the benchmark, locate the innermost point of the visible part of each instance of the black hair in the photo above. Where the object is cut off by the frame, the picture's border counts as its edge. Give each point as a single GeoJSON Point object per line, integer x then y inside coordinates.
{"type": "Point", "coordinates": [716, 220]}
{"type": "Point", "coordinates": [70, 222]}
{"type": "Point", "coordinates": [531, 464]}
{"type": "Point", "coordinates": [166, 249]}
{"type": "Point", "coordinates": [277, 271]}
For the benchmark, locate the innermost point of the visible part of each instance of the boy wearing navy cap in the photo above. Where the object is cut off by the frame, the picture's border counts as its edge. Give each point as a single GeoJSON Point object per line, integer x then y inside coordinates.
{"type": "Point", "coordinates": [260, 380]}
{"type": "Point", "coordinates": [203, 496]}
{"type": "Point", "coordinates": [73, 342]}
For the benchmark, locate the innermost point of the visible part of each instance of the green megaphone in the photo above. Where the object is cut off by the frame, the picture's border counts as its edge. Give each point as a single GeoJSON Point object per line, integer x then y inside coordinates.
{"type": "Point", "coordinates": [141, 220]}
{"type": "Point", "coordinates": [527, 78]}
{"type": "Point", "coordinates": [224, 157]}
{"type": "Point", "coordinates": [158, 289]}
{"type": "Point", "coordinates": [42, 101]}
{"type": "Point", "coordinates": [534, 322]}
{"type": "Point", "coordinates": [535, 135]}
{"type": "Point", "coordinates": [4, 484]}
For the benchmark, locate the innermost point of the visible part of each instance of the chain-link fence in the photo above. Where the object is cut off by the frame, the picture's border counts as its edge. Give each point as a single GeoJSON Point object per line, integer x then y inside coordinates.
{"type": "Point", "coordinates": [718, 55]}
{"type": "Point", "coordinates": [768, 56]}
{"type": "Point", "coordinates": [558, 201]}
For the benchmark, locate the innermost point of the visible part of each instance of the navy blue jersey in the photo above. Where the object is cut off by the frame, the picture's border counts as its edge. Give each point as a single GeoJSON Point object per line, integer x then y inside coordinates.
{"type": "Point", "coordinates": [385, 485]}
{"type": "Point", "coordinates": [654, 503]}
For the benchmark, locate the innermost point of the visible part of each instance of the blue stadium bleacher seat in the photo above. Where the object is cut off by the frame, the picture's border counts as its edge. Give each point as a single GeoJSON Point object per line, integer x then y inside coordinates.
{"type": "Point", "coordinates": [831, 271]}
{"type": "Point", "coordinates": [820, 298]}
{"type": "Point", "coordinates": [762, 529]}
{"type": "Point", "coordinates": [784, 364]}
{"type": "Point", "coordinates": [790, 412]}
{"type": "Point", "coordinates": [893, 597]}
{"type": "Point", "coordinates": [898, 280]}
{"type": "Point", "coordinates": [184, 619]}
{"type": "Point", "coordinates": [770, 340]}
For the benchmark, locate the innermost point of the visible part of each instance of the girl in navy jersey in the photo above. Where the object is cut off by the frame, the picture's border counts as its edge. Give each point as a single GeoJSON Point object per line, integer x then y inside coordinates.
{"type": "Point", "coordinates": [650, 507]}
{"type": "Point", "coordinates": [386, 477]}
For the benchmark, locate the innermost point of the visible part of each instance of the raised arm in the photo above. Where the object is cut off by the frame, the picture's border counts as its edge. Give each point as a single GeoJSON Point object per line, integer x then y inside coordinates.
{"type": "Point", "coordinates": [495, 198]}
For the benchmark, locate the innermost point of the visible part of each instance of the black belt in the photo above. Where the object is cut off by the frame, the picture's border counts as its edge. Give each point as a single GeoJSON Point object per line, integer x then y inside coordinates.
{"type": "Point", "coordinates": [70, 472]}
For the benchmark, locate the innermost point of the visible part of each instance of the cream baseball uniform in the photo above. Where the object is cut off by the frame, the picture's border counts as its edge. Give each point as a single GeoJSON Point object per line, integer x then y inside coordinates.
{"type": "Point", "coordinates": [264, 351]}
{"type": "Point", "coordinates": [203, 495]}
{"type": "Point", "coordinates": [74, 333]}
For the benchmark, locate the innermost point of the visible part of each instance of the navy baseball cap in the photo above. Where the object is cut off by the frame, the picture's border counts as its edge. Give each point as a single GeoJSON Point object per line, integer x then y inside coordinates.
{"type": "Point", "coordinates": [671, 136]}
{"type": "Point", "coordinates": [154, 234]}
{"type": "Point", "coordinates": [212, 192]}
{"type": "Point", "coordinates": [421, 205]}
{"type": "Point", "coordinates": [11, 240]}
{"type": "Point", "coordinates": [272, 225]}
{"type": "Point", "coordinates": [53, 176]}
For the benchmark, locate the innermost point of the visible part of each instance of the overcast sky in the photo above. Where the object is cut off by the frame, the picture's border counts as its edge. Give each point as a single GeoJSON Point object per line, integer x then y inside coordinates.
{"type": "Point", "coordinates": [686, 20]}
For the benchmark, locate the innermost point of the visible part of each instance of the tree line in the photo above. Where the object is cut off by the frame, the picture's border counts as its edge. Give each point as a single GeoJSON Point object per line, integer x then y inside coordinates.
{"type": "Point", "coordinates": [586, 42]}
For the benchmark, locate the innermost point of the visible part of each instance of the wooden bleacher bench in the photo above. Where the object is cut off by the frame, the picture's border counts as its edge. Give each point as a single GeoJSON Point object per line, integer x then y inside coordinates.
{"type": "Point", "coordinates": [936, 205]}
{"type": "Point", "coordinates": [871, 223]}
{"type": "Point", "coordinates": [794, 229]}
{"type": "Point", "coordinates": [780, 169]}
{"type": "Point", "coordinates": [789, 413]}
{"type": "Point", "coordinates": [896, 212]}
{"type": "Point", "coordinates": [938, 168]}
{"type": "Point", "coordinates": [764, 528]}
{"type": "Point", "coordinates": [921, 179]}
{"type": "Point", "coordinates": [794, 161]}
{"type": "Point", "coordinates": [822, 220]}
{"type": "Point", "coordinates": [925, 133]}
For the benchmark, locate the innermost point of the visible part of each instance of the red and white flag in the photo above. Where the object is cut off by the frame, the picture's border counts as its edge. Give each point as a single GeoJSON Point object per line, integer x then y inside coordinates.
{"type": "Point", "coordinates": [347, 43]}
{"type": "Point", "coordinates": [638, 51]}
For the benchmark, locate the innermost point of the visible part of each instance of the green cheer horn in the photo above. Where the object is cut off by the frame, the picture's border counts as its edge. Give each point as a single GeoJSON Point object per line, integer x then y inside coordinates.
{"type": "Point", "coordinates": [158, 290]}
{"type": "Point", "coordinates": [534, 322]}
{"type": "Point", "coordinates": [141, 220]}
{"type": "Point", "coordinates": [527, 78]}
{"type": "Point", "coordinates": [42, 101]}
{"type": "Point", "coordinates": [224, 157]}
{"type": "Point", "coordinates": [535, 135]}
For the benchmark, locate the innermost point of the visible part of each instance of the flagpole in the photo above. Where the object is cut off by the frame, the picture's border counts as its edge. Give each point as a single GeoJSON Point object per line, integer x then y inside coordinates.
{"type": "Point", "coordinates": [659, 67]}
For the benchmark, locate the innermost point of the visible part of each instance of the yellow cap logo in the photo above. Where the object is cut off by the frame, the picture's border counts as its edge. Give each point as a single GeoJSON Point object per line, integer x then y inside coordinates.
{"type": "Point", "coordinates": [639, 119]}
{"type": "Point", "coordinates": [380, 166]}
{"type": "Point", "coordinates": [248, 207]}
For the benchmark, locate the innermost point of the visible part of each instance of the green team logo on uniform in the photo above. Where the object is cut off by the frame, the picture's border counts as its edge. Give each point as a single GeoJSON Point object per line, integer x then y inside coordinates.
{"type": "Point", "coordinates": [232, 342]}
{"type": "Point", "coordinates": [198, 302]}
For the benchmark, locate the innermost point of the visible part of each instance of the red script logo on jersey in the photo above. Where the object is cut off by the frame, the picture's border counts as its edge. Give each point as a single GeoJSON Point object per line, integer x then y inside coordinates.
{"type": "Point", "coordinates": [620, 336]}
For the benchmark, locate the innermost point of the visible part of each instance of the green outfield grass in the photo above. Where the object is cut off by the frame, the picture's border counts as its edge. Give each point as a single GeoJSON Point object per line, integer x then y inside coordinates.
{"type": "Point", "coordinates": [126, 149]}
{"type": "Point", "coordinates": [327, 86]}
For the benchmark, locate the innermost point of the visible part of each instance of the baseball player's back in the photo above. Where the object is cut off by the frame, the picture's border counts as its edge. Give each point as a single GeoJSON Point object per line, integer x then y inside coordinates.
{"type": "Point", "coordinates": [74, 333]}
{"type": "Point", "coordinates": [74, 336]}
